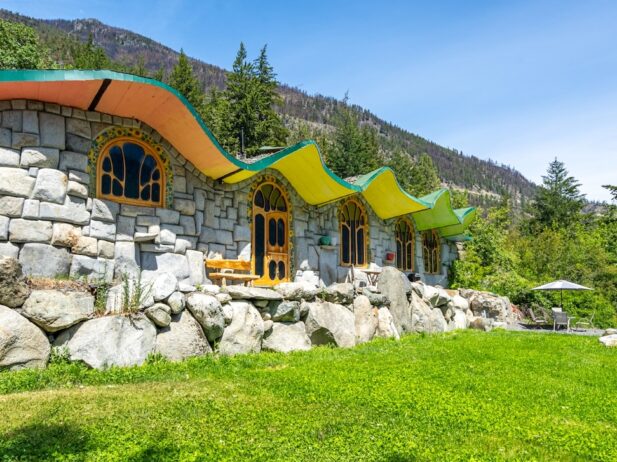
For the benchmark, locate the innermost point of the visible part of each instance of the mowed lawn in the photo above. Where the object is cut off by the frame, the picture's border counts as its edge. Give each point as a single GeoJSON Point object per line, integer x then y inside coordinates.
{"type": "Point", "coordinates": [465, 395]}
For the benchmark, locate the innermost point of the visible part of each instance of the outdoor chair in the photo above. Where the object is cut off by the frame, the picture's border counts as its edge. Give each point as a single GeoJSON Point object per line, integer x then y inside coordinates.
{"type": "Point", "coordinates": [537, 320]}
{"type": "Point", "coordinates": [561, 318]}
{"type": "Point", "coordinates": [585, 323]}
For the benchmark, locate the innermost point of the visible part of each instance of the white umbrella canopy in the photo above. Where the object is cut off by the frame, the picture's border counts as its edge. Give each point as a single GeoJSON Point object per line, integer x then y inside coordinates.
{"type": "Point", "coordinates": [561, 285]}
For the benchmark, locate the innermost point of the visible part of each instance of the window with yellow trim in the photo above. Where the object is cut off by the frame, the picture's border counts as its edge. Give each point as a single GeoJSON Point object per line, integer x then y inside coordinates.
{"type": "Point", "coordinates": [353, 224]}
{"type": "Point", "coordinates": [431, 251]}
{"type": "Point", "coordinates": [405, 242]}
{"type": "Point", "coordinates": [129, 171]}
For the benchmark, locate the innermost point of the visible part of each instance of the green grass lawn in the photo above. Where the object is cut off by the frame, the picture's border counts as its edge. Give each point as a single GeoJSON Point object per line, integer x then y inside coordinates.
{"type": "Point", "coordinates": [467, 395]}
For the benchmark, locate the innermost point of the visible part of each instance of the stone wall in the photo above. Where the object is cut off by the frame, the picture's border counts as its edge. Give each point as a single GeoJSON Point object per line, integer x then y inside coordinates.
{"type": "Point", "coordinates": [52, 222]}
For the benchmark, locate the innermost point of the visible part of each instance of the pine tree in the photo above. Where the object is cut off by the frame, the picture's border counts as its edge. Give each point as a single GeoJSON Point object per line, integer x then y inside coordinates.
{"type": "Point", "coordinates": [354, 150]}
{"type": "Point", "coordinates": [558, 202]}
{"type": "Point", "coordinates": [611, 189]}
{"type": "Point", "coordinates": [400, 162]}
{"type": "Point", "coordinates": [90, 56]}
{"type": "Point", "coordinates": [424, 178]}
{"type": "Point", "coordinates": [183, 79]}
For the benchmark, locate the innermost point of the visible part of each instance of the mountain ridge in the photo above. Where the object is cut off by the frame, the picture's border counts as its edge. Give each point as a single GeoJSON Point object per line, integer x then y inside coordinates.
{"type": "Point", "coordinates": [486, 180]}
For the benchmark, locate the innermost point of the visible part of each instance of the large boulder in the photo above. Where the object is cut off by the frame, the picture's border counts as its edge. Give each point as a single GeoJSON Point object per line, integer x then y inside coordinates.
{"type": "Point", "coordinates": [129, 296]}
{"type": "Point", "coordinates": [285, 337]}
{"type": "Point", "coordinates": [183, 338]}
{"type": "Point", "coordinates": [421, 314]}
{"type": "Point", "coordinates": [366, 319]}
{"type": "Point", "coordinates": [286, 311]}
{"type": "Point", "coordinates": [459, 320]}
{"type": "Point", "coordinates": [329, 323]}
{"type": "Point", "coordinates": [395, 286]}
{"type": "Point", "coordinates": [438, 322]}
{"type": "Point", "coordinates": [22, 344]}
{"type": "Point", "coordinates": [609, 340]}
{"type": "Point", "coordinates": [53, 310]}
{"type": "Point", "coordinates": [245, 332]}
{"type": "Point", "coordinates": [437, 297]}
{"type": "Point", "coordinates": [238, 292]}
{"type": "Point", "coordinates": [376, 298]}
{"type": "Point", "coordinates": [163, 286]}
{"type": "Point", "coordinates": [44, 260]}
{"type": "Point", "coordinates": [13, 288]}
{"type": "Point", "coordinates": [109, 341]}
{"type": "Point", "coordinates": [176, 302]}
{"type": "Point", "coordinates": [385, 325]}
{"type": "Point", "coordinates": [208, 312]}
{"type": "Point", "coordinates": [297, 290]}
{"type": "Point", "coordinates": [490, 305]}
{"type": "Point", "coordinates": [340, 293]}
{"type": "Point", "coordinates": [459, 303]}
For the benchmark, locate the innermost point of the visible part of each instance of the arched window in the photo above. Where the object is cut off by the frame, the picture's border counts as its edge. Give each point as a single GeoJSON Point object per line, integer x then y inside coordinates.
{"type": "Point", "coordinates": [431, 252]}
{"type": "Point", "coordinates": [405, 242]}
{"type": "Point", "coordinates": [129, 171]}
{"type": "Point", "coordinates": [270, 234]}
{"type": "Point", "coordinates": [353, 232]}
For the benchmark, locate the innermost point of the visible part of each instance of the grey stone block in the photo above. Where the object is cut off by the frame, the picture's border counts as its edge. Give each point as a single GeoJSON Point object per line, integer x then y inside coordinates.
{"type": "Point", "coordinates": [11, 206]}
{"type": "Point", "coordinates": [50, 186]}
{"type": "Point", "coordinates": [102, 230]}
{"type": "Point", "coordinates": [68, 213]}
{"type": "Point", "coordinates": [242, 233]}
{"type": "Point", "coordinates": [80, 177]}
{"type": "Point", "coordinates": [106, 249]}
{"type": "Point", "coordinates": [20, 140]}
{"type": "Point", "coordinates": [77, 189]}
{"type": "Point", "coordinates": [9, 157]}
{"type": "Point", "coordinates": [77, 143]}
{"type": "Point", "coordinates": [92, 269]}
{"type": "Point", "coordinates": [85, 245]}
{"type": "Point", "coordinates": [52, 130]}
{"type": "Point", "coordinates": [158, 248]}
{"type": "Point", "coordinates": [40, 157]}
{"type": "Point", "coordinates": [148, 221]}
{"type": "Point", "coordinates": [125, 228]}
{"type": "Point", "coordinates": [134, 210]}
{"type": "Point", "coordinates": [44, 260]}
{"type": "Point", "coordinates": [70, 160]}
{"type": "Point", "coordinates": [168, 216]}
{"type": "Point", "coordinates": [31, 209]}
{"type": "Point", "coordinates": [65, 235]}
{"type": "Point", "coordinates": [8, 249]}
{"type": "Point", "coordinates": [227, 225]}
{"type": "Point", "coordinates": [184, 243]}
{"type": "Point", "coordinates": [127, 259]}
{"type": "Point", "coordinates": [175, 264]}
{"type": "Point", "coordinates": [188, 225]}
{"type": "Point", "coordinates": [4, 228]}
{"type": "Point", "coordinates": [185, 206]}
{"type": "Point", "coordinates": [105, 210]}
{"type": "Point", "coordinates": [12, 120]}
{"type": "Point", "coordinates": [30, 122]}
{"type": "Point", "coordinates": [78, 127]}
{"type": "Point", "coordinates": [197, 274]}
{"type": "Point", "coordinates": [30, 230]}
{"type": "Point", "coordinates": [5, 137]}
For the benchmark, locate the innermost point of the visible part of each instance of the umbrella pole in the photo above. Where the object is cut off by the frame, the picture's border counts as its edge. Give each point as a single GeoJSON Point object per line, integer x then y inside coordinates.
{"type": "Point", "coordinates": [561, 293]}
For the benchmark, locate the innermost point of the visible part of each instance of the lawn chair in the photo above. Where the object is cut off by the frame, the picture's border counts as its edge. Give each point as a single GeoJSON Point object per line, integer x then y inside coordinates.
{"type": "Point", "coordinates": [537, 320]}
{"type": "Point", "coordinates": [585, 323]}
{"type": "Point", "coordinates": [561, 318]}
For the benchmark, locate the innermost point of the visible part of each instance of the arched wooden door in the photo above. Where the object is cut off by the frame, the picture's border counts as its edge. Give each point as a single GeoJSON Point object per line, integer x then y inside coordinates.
{"type": "Point", "coordinates": [270, 235]}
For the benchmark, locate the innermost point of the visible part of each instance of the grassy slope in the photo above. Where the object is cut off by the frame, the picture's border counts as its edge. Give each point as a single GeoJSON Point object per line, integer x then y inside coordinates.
{"type": "Point", "coordinates": [457, 396]}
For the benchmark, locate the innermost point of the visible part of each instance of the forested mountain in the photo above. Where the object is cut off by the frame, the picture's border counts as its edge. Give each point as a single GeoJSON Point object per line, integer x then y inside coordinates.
{"type": "Point", "coordinates": [485, 180]}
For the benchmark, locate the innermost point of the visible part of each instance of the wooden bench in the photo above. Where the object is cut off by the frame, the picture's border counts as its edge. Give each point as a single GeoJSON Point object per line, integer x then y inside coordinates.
{"type": "Point", "coordinates": [227, 271]}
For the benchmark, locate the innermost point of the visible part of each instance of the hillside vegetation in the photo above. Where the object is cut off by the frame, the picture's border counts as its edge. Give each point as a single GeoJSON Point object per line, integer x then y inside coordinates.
{"type": "Point", "coordinates": [460, 396]}
{"type": "Point", "coordinates": [485, 180]}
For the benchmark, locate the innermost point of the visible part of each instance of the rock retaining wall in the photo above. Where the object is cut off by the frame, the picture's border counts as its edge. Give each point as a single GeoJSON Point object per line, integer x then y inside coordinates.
{"type": "Point", "coordinates": [176, 320]}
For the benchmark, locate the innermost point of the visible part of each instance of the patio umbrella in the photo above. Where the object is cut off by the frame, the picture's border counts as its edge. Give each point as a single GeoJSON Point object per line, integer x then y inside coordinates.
{"type": "Point", "coordinates": [561, 285]}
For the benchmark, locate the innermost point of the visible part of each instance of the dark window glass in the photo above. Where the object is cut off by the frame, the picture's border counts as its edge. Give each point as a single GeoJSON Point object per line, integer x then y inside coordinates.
{"type": "Point", "coordinates": [360, 248]}
{"type": "Point", "coordinates": [281, 270]}
{"type": "Point", "coordinates": [260, 237]}
{"type": "Point", "coordinates": [106, 183]}
{"type": "Point", "coordinates": [345, 244]}
{"type": "Point", "coordinates": [272, 231]}
{"type": "Point", "coordinates": [281, 232]}
{"type": "Point", "coordinates": [272, 269]}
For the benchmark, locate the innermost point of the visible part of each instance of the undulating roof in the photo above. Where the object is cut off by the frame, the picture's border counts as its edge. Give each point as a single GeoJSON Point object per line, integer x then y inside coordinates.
{"type": "Point", "coordinates": [168, 112]}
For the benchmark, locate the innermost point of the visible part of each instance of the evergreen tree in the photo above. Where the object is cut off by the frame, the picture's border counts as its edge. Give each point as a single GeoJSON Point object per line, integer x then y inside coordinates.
{"type": "Point", "coordinates": [90, 56]}
{"type": "Point", "coordinates": [558, 202]}
{"type": "Point", "coordinates": [424, 178]}
{"type": "Point", "coordinates": [183, 79]}
{"type": "Point", "coordinates": [354, 150]}
{"type": "Point", "coordinates": [612, 189]}
{"type": "Point", "coordinates": [400, 162]}
{"type": "Point", "coordinates": [19, 47]}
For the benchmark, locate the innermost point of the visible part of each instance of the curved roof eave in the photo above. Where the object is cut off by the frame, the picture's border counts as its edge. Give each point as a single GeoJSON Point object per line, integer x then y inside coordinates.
{"type": "Point", "coordinates": [169, 113]}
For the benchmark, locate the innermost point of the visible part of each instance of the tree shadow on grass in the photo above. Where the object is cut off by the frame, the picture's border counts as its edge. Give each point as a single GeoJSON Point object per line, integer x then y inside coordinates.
{"type": "Point", "coordinates": [43, 442]}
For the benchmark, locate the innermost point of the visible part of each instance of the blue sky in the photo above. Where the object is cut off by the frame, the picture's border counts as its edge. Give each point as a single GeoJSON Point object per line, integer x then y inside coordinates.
{"type": "Point", "coordinates": [519, 82]}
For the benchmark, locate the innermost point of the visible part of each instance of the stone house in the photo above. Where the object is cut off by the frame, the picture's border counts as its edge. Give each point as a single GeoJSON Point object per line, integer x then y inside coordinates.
{"type": "Point", "coordinates": [104, 174]}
